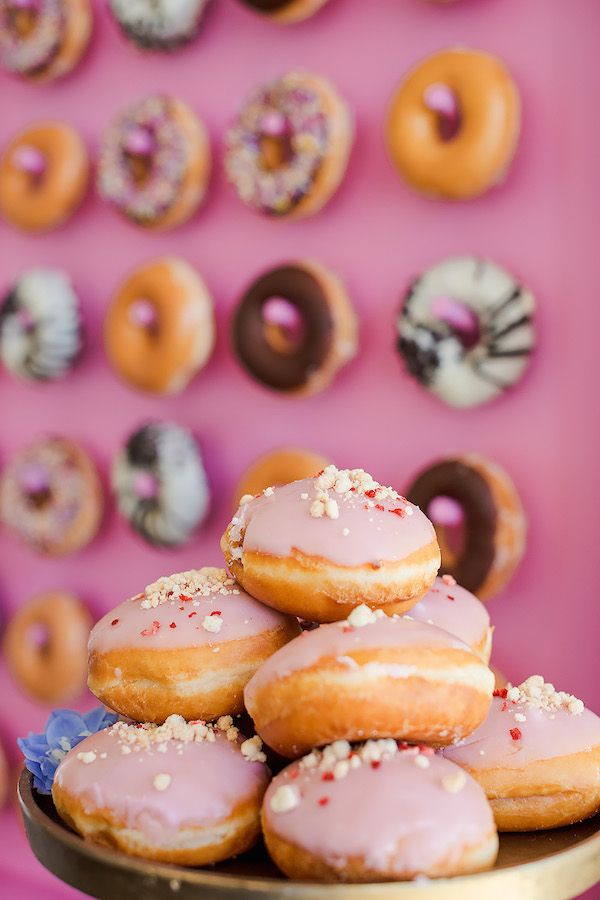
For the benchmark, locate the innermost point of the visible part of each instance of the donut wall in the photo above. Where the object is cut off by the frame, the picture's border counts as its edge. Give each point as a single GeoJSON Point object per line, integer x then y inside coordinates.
{"type": "Point", "coordinates": [378, 234]}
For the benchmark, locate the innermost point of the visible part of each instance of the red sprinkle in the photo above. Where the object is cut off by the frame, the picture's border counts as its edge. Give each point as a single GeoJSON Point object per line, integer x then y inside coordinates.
{"type": "Point", "coordinates": [216, 612]}
{"type": "Point", "coordinates": [504, 706]}
{"type": "Point", "coordinates": [115, 622]}
{"type": "Point", "coordinates": [352, 489]}
{"type": "Point", "coordinates": [380, 507]}
{"type": "Point", "coordinates": [327, 776]}
{"type": "Point", "coordinates": [451, 597]}
{"type": "Point", "coordinates": [425, 750]}
{"type": "Point", "coordinates": [515, 734]}
{"type": "Point", "coordinates": [375, 763]}
{"type": "Point", "coordinates": [172, 625]}
{"type": "Point", "coordinates": [501, 692]}
{"type": "Point", "coordinates": [402, 745]}
{"type": "Point", "coordinates": [169, 593]}
{"type": "Point", "coordinates": [398, 511]}
{"type": "Point", "coordinates": [370, 494]}
{"type": "Point", "coordinates": [148, 632]}
{"type": "Point", "coordinates": [184, 597]}
{"type": "Point", "coordinates": [323, 801]}
{"type": "Point", "coordinates": [294, 773]}
{"type": "Point", "coordinates": [190, 615]}
{"type": "Point", "coordinates": [347, 628]}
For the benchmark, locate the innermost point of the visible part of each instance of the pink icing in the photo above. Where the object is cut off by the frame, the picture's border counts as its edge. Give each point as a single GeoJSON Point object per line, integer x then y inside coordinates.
{"type": "Point", "coordinates": [544, 734]}
{"type": "Point", "coordinates": [339, 639]}
{"type": "Point", "coordinates": [207, 781]}
{"type": "Point", "coordinates": [377, 813]}
{"type": "Point", "coordinates": [278, 523]}
{"type": "Point", "coordinates": [454, 609]}
{"type": "Point", "coordinates": [242, 616]}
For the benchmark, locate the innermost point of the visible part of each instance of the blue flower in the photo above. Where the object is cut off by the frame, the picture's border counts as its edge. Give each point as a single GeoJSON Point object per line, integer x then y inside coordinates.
{"type": "Point", "coordinates": [64, 730]}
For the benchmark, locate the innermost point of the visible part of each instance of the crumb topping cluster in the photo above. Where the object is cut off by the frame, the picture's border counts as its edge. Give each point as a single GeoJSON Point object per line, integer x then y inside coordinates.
{"type": "Point", "coordinates": [536, 692]}
{"type": "Point", "coordinates": [185, 586]}
{"type": "Point", "coordinates": [362, 615]}
{"type": "Point", "coordinates": [351, 482]}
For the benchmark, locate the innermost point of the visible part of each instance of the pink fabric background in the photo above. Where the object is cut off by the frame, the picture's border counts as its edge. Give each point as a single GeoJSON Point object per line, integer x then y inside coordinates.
{"type": "Point", "coordinates": [543, 224]}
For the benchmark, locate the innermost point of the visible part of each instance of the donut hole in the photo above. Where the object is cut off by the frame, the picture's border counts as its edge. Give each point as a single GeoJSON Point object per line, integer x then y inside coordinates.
{"type": "Point", "coordinates": [275, 141]}
{"type": "Point", "coordinates": [34, 480]}
{"type": "Point", "coordinates": [460, 318]}
{"type": "Point", "coordinates": [284, 327]}
{"type": "Point", "coordinates": [139, 147]}
{"type": "Point", "coordinates": [448, 517]}
{"type": "Point", "coordinates": [38, 636]}
{"type": "Point", "coordinates": [22, 17]}
{"type": "Point", "coordinates": [443, 103]}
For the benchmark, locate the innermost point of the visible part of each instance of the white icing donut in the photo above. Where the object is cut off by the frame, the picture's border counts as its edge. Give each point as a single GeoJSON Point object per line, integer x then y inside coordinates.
{"type": "Point", "coordinates": [465, 330]}
{"type": "Point", "coordinates": [159, 24]}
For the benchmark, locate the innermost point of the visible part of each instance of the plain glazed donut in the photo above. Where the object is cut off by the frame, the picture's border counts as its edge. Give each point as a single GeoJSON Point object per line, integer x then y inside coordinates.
{"type": "Point", "coordinates": [159, 330]}
{"type": "Point", "coordinates": [377, 813]}
{"type": "Point", "coordinates": [188, 644]}
{"type": "Point", "coordinates": [45, 647]}
{"type": "Point", "coordinates": [44, 173]}
{"type": "Point", "coordinates": [276, 468]}
{"type": "Point", "coordinates": [160, 484]}
{"type": "Point", "coordinates": [159, 24]}
{"type": "Point", "coordinates": [479, 520]}
{"type": "Point", "coordinates": [454, 123]}
{"type": "Point", "coordinates": [465, 330]}
{"type": "Point", "coordinates": [195, 800]}
{"type": "Point", "coordinates": [43, 39]}
{"type": "Point", "coordinates": [318, 547]}
{"type": "Point", "coordinates": [449, 606]}
{"type": "Point", "coordinates": [285, 12]}
{"type": "Point", "coordinates": [370, 676]}
{"type": "Point", "coordinates": [295, 328]}
{"type": "Point", "coordinates": [51, 496]}
{"type": "Point", "coordinates": [40, 326]}
{"type": "Point", "coordinates": [155, 163]}
{"type": "Point", "coordinates": [287, 152]}
{"type": "Point", "coordinates": [537, 756]}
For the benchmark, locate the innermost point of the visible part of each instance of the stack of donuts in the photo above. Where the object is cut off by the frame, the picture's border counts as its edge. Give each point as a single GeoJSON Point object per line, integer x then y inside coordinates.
{"type": "Point", "coordinates": [395, 754]}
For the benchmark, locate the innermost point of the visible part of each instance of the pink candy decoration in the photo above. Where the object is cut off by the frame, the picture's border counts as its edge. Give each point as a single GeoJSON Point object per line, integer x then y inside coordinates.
{"type": "Point", "coordinates": [279, 311]}
{"type": "Point", "coordinates": [37, 634]}
{"type": "Point", "coordinates": [140, 142]}
{"type": "Point", "coordinates": [29, 159]}
{"type": "Point", "coordinates": [273, 124]}
{"type": "Point", "coordinates": [456, 314]}
{"type": "Point", "coordinates": [441, 99]}
{"type": "Point", "coordinates": [145, 485]}
{"type": "Point", "coordinates": [446, 511]}
{"type": "Point", "coordinates": [143, 313]}
{"type": "Point", "coordinates": [34, 478]}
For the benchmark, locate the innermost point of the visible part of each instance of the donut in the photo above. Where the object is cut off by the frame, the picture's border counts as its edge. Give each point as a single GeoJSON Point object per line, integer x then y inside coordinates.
{"type": "Point", "coordinates": [154, 163]}
{"type": "Point", "coordinates": [160, 484]}
{"type": "Point", "coordinates": [288, 149]}
{"type": "Point", "coordinates": [276, 468]}
{"type": "Point", "coordinates": [45, 646]}
{"type": "Point", "coordinates": [196, 800]}
{"type": "Point", "coordinates": [465, 330]}
{"type": "Point", "coordinates": [41, 40]}
{"type": "Point", "coordinates": [295, 328]}
{"type": "Point", "coordinates": [51, 496]}
{"type": "Point", "coordinates": [479, 520]}
{"type": "Point", "coordinates": [453, 124]}
{"type": "Point", "coordinates": [44, 172]}
{"type": "Point", "coordinates": [285, 12]}
{"type": "Point", "coordinates": [537, 756]}
{"type": "Point", "coordinates": [159, 330]}
{"type": "Point", "coordinates": [449, 606]}
{"type": "Point", "coordinates": [370, 676]}
{"type": "Point", "coordinates": [159, 24]}
{"type": "Point", "coordinates": [40, 325]}
{"type": "Point", "coordinates": [188, 643]}
{"type": "Point", "coordinates": [377, 812]}
{"type": "Point", "coordinates": [318, 547]}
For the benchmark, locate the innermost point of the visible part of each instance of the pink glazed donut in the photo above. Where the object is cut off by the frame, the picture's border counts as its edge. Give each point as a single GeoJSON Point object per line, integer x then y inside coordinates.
{"type": "Point", "coordinates": [451, 607]}
{"type": "Point", "coordinates": [318, 547]}
{"type": "Point", "coordinates": [377, 813]}
{"type": "Point", "coordinates": [188, 644]}
{"type": "Point", "coordinates": [537, 756]}
{"type": "Point", "coordinates": [185, 793]}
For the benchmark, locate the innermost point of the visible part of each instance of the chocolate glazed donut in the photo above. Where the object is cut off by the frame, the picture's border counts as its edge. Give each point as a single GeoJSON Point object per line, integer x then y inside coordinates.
{"type": "Point", "coordinates": [489, 511]}
{"type": "Point", "coordinates": [285, 11]}
{"type": "Point", "coordinates": [324, 341]}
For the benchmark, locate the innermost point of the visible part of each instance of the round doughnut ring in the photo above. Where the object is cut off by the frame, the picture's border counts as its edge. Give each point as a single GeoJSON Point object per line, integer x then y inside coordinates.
{"type": "Point", "coordinates": [454, 123]}
{"type": "Point", "coordinates": [479, 520]}
{"type": "Point", "coordinates": [377, 812]}
{"type": "Point", "coordinates": [537, 756]}
{"type": "Point", "coordinates": [45, 647]}
{"type": "Point", "coordinates": [285, 12]}
{"type": "Point", "coordinates": [465, 330]}
{"type": "Point", "coordinates": [388, 677]}
{"type": "Point", "coordinates": [159, 329]}
{"type": "Point", "coordinates": [161, 25]}
{"type": "Point", "coordinates": [189, 643]}
{"type": "Point", "coordinates": [288, 150]}
{"type": "Point", "coordinates": [295, 328]}
{"type": "Point", "coordinates": [51, 496]}
{"type": "Point", "coordinates": [41, 40]}
{"type": "Point", "coordinates": [195, 802]}
{"type": "Point", "coordinates": [44, 174]}
{"type": "Point", "coordinates": [276, 468]}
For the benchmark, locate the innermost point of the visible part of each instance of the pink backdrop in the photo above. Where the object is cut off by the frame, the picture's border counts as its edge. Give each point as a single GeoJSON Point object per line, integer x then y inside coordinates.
{"type": "Point", "coordinates": [542, 224]}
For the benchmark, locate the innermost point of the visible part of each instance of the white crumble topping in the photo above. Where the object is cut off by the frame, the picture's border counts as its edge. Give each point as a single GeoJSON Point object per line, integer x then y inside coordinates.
{"type": "Point", "coordinates": [454, 782]}
{"type": "Point", "coordinates": [422, 761]}
{"type": "Point", "coordinates": [187, 585]}
{"type": "Point", "coordinates": [252, 749]}
{"type": "Point", "coordinates": [212, 623]}
{"type": "Point", "coordinates": [519, 717]}
{"type": "Point", "coordinates": [363, 615]}
{"type": "Point", "coordinates": [449, 580]}
{"type": "Point", "coordinates": [340, 758]}
{"type": "Point", "coordinates": [284, 799]}
{"type": "Point", "coordinates": [304, 496]}
{"type": "Point", "coordinates": [162, 781]}
{"type": "Point", "coordinates": [246, 498]}
{"type": "Point", "coordinates": [345, 532]}
{"type": "Point", "coordinates": [268, 492]}
{"type": "Point", "coordinates": [87, 757]}
{"type": "Point", "coordinates": [536, 692]}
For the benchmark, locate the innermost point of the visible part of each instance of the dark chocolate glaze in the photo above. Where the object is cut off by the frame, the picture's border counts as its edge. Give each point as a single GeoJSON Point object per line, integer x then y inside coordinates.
{"type": "Point", "coordinates": [141, 448]}
{"type": "Point", "coordinates": [455, 478]}
{"type": "Point", "coordinates": [283, 371]}
{"type": "Point", "coordinates": [267, 6]}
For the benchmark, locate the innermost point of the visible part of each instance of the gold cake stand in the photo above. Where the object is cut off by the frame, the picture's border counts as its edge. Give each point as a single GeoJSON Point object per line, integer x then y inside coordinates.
{"type": "Point", "coordinates": [544, 865]}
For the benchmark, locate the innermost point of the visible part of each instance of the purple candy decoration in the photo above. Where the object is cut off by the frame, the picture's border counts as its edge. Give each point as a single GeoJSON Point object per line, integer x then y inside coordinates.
{"type": "Point", "coordinates": [145, 485]}
{"type": "Point", "coordinates": [29, 159]}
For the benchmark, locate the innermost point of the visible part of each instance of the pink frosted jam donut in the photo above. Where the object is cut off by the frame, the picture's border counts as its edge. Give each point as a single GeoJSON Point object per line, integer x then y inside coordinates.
{"type": "Point", "coordinates": [449, 606]}
{"type": "Point", "coordinates": [154, 163]}
{"type": "Point", "coordinates": [537, 756]}
{"type": "Point", "coordinates": [377, 813]}
{"type": "Point", "coordinates": [320, 546]}
{"type": "Point", "coordinates": [389, 677]}
{"type": "Point", "coordinates": [180, 793]}
{"type": "Point", "coordinates": [188, 644]}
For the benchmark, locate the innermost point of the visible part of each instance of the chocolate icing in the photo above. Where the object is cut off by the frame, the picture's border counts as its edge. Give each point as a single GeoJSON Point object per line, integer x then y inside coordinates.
{"type": "Point", "coordinates": [283, 371]}
{"type": "Point", "coordinates": [454, 478]}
